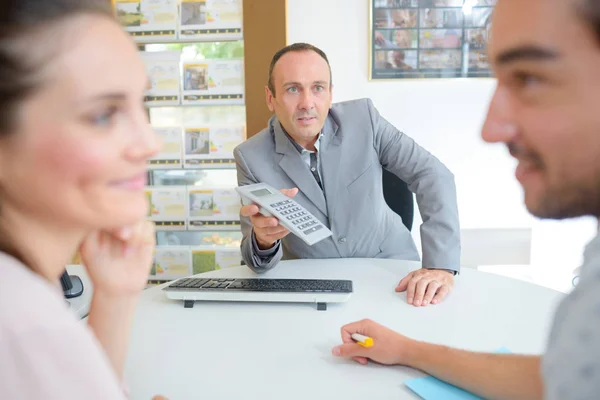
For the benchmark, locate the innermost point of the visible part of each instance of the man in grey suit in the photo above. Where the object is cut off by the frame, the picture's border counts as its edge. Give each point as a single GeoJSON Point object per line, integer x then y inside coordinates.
{"type": "Point", "coordinates": [332, 156]}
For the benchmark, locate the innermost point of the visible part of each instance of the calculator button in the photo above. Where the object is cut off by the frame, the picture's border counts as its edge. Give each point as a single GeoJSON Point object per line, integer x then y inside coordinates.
{"type": "Point", "coordinates": [289, 217]}
{"type": "Point", "coordinates": [313, 229]}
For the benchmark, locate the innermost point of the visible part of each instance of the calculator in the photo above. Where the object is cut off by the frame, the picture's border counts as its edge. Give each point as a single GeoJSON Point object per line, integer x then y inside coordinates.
{"type": "Point", "coordinates": [294, 217]}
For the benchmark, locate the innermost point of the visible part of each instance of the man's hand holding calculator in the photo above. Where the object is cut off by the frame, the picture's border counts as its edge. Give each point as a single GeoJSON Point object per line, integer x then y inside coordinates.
{"type": "Point", "coordinates": [267, 230]}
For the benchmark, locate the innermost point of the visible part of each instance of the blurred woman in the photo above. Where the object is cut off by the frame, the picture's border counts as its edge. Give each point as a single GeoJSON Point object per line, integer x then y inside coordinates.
{"type": "Point", "coordinates": [74, 140]}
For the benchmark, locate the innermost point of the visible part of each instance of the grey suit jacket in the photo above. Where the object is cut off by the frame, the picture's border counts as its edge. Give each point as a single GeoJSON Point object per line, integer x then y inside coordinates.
{"type": "Point", "coordinates": [357, 143]}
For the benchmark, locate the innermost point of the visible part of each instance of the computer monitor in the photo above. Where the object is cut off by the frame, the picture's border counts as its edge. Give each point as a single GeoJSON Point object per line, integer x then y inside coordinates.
{"type": "Point", "coordinates": [72, 285]}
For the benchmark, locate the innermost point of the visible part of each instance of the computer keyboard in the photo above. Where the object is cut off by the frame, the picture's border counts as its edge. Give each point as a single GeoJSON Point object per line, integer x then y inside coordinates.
{"type": "Point", "coordinates": [319, 291]}
{"type": "Point", "coordinates": [263, 285]}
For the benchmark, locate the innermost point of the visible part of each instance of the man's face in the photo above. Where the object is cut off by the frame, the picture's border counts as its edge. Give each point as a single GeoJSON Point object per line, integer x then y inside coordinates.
{"type": "Point", "coordinates": [546, 106]}
{"type": "Point", "coordinates": [303, 94]}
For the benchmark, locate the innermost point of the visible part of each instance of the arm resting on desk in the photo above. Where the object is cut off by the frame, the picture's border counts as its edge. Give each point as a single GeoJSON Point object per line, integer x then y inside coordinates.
{"type": "Point", "coordinates": [433, 185]}
{"type": "Point", "coordinates": [493, 376]}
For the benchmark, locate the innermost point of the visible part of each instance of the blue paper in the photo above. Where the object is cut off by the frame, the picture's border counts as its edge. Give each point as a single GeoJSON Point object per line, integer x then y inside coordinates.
{"type": "Point", "coordinates": [430, 388]}
{"type": "Point", "coordinates": [502, 350]}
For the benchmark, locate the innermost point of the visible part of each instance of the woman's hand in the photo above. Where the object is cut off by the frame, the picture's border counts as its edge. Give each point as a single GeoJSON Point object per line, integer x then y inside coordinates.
{"type": "Point", "coordinates": [118, 262]}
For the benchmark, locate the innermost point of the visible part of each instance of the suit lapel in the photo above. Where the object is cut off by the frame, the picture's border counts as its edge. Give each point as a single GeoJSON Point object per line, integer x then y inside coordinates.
{"type": "Point", "coordinates": [331, 157]}
{"type": "Point", "coordinates": [292, 164]}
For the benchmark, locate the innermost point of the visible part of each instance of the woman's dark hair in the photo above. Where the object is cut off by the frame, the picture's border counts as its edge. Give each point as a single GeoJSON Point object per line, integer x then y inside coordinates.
{"type": "Point", "coordinates": [25, 39]}
{"type": "Point", "coordinates": [590, 10]}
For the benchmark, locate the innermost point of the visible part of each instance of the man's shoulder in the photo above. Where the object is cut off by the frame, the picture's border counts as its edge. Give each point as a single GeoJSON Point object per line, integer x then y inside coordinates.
{"type": "Point", "coordinates": [355, 114]}
{"type": "Point", "coordinates": [260, 140]}
{"type": "Point", "coordinates": [352, 106]}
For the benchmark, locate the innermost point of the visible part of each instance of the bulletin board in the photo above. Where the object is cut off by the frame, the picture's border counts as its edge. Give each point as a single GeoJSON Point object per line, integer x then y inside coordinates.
{"type": "Point", "coordinates": [430, 38]}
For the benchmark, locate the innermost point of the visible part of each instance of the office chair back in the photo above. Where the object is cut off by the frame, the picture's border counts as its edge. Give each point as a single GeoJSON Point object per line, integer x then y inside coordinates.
{"type": "Point", "coordinates": [398, 197]}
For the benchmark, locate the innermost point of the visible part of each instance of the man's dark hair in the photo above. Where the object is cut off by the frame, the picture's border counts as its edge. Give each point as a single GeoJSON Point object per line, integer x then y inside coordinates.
{"type": "Point", "coordinates": [296, 47]}
{"type": "Point", "coordinates": [590, 10]}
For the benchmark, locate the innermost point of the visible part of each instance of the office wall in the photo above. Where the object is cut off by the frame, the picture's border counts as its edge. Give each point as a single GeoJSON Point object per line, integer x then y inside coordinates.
{"type": "Point", "coordinates": [261, 41]}
{"type": "Point", "coordinates": [445, 117]}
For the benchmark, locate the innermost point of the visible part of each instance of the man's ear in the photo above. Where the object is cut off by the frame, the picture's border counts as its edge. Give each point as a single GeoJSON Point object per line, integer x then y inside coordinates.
{"type": "Point", "coordinates": [331, 95]}
{"type": "Point", "coordinates": [269, 97]}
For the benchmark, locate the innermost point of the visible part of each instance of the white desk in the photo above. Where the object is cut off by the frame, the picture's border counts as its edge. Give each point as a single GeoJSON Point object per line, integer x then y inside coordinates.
{"type": "Point", "coordinates": [283, 351]}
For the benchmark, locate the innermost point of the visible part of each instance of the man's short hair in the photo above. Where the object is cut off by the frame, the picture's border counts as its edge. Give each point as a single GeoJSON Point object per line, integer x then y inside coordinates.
{"type": "Point", "coordinates": [295, 47]}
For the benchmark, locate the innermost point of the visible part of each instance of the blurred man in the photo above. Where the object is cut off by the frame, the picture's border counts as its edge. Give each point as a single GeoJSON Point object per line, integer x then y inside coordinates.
{"type": "Point", "coordinates": [546, 55]}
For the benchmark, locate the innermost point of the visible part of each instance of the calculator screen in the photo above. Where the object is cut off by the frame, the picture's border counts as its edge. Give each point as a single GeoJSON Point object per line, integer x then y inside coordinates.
{"type": "Point", "coordinates": [261, 192]}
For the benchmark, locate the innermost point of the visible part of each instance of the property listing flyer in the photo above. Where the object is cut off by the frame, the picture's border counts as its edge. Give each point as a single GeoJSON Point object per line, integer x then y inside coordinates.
{"type": "Point", "coordinates": [213, 82]}
{"type": "Point", "coordinates": [211, 146]}
{"type": "Point", "coordinates": [205, 259]}
{"type": "Point", "coordinates": [213, 209]}
{"type": "Point", "coordinates": [163, 71]}
{"type": "Point", "coordinates": [167, 206]}
{"type": "Point", "coordinates": [211, 19]}
{"type": "Point", "coordinates": [171, 262]}
{"type": "Point", "coordinates": [171, 152]}
{"type": "Point", "coordinates": [148, 20]}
